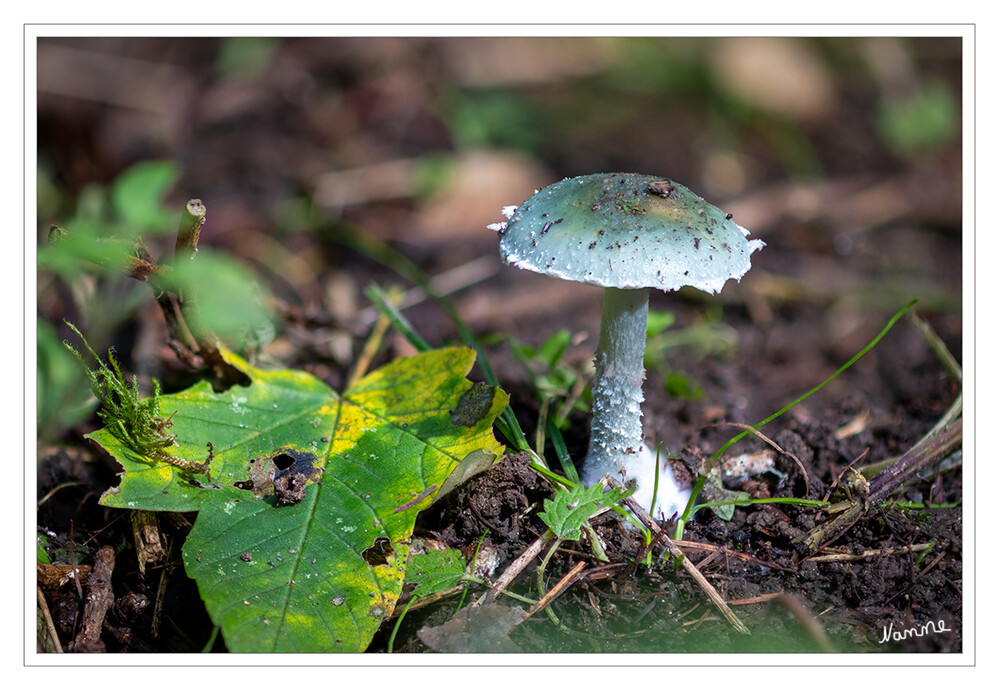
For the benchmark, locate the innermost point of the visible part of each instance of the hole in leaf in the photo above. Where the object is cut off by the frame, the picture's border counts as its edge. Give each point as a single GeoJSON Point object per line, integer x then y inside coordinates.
{"type": "Point", "coordinates": [283, 461]}
{"type": "Point", "coordinates": [379, 552]}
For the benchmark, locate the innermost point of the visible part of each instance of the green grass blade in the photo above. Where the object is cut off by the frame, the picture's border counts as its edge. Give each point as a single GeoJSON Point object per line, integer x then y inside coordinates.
{"type": "Point", "coordinates": [382, 302]}
{"type": "Point", "coordinates": [699, 484]}
{"type": "Point", "coordinates": [561, 451]}
{"type": "Point", "coordinates": [853, 360]}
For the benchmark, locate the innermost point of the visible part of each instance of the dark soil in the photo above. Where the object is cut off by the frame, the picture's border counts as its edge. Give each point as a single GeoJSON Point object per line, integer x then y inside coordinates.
{"type": "Point", "coordinates": [843, 254]}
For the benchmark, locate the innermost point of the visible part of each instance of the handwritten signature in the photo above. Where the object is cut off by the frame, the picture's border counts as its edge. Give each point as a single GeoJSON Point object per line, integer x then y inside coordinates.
{"type": "Point", "coordinates": [889, 633]}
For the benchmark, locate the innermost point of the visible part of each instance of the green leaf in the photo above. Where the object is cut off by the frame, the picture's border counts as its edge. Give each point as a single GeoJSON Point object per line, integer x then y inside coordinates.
{"type": "Point", "coordinates": [302, 535]}
{"type": "Point", "coordinates": [435, 570]}
{"type": "Point", "coordinates": [137, 196]}
{"type": "Point", "coordinates": [715, 492]}
{"type": "Point", "coordinates": [88, 248]}
{"type": "Point", "coordinates": [230, 300]}
{"type": "Point", "coordinates": [41, 542]}
{"type": "Point", "coordinates": [679, 385]}
{"type": "Point", "coordinates": [566, 513]}
{"type": "Point", "coordinates": [554, 347]}
{"type": "Point", "coordinates": [658, 321]}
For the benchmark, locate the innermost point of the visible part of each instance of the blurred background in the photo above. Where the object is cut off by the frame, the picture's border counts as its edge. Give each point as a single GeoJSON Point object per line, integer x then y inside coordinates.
{"type": "Point", "coordinates": [327, 163]}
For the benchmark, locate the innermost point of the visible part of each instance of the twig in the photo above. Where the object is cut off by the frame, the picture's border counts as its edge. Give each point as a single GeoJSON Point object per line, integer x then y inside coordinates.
{"type": "Point", "coordinates": [55, 575]}
{"type": "Point", "coordinates": [936, 445]}
{"type": "Point", "coordinates": [684, 544]}
{"type": "Point", "coordinates": [50, 628]}
{"type": "Point", "coordinates": [74, 573]}
{"type": "Point", "coordinates": [192, 219]}
{"type": "Point", "coordinates": [147, 538]}
{"type": "Point", "coordinates": [755, 600]}
{"type": "Point", "coordinates": [938, 347]}
{"type": "Point", "coordinates": [99, 600]}
{"type": "Point", "coordinates": [555, 591]}
{"type": "Point", "coordinates": [515, 568]}
{"type": "Point", "coordinates": [181, 310]}
{"type": "Point", "coordinates": [539, 573]}
{"type": "Point", "coordinates": [675, 552]}
{"type": "Point", "coordinates": [50, 493]}
{"type": "Point", "coordinates": [868, 553]}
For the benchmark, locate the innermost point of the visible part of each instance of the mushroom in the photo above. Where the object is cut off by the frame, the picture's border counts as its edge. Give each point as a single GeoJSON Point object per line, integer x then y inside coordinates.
{"type": "Point", "coordinates": [627, 233]}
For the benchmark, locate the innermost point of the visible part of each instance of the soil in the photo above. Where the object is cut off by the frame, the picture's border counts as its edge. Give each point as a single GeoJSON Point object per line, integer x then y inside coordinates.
{"type": "Point", "coordinates": [843, 254]}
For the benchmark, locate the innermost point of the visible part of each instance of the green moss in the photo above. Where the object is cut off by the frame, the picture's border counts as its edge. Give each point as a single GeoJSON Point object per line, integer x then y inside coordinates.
{"type": "Point", "coordinates": [133, 420]}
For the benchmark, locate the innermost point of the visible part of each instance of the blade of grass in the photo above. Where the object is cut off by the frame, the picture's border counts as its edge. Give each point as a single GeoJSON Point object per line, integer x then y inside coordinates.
{"type": "Point", "coordinates": [853, 360]}
{"type": "Point", "coordinates": [373, 343]}
{"type": "Point", "coordinates": [699, 484]}
{"type": "Point", "coordinates": [780, 499]}
{"type": "Point", "coordinates": [561, 452]}
{"type": "Point", "coordinates": [384, 303]}
{"type": "Point", "coordinates": [938, 347]}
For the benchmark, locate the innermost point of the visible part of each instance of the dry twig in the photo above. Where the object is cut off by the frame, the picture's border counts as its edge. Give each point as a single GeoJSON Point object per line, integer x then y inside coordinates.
{"type": "Point", "coordinates": [50, 629]}
{"type": "Point", "coordinates": [675, 552]}
{"type": "Point", "coordinates": [99, 600]}
{"type": "Point", "coordinates": [555, 591]}
{"type": "Point", "coordinates": [515, 568]}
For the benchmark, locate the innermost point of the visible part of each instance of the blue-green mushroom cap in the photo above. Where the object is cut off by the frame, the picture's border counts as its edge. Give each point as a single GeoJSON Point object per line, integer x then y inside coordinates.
{"type": "Point", "coordinates": [626, 230]}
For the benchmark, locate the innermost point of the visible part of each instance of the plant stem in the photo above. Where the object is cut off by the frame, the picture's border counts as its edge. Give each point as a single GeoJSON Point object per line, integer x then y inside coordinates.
{"type": "Point", "coordinates": [191, 221]}
{"type": "Point", "coordinates": [930, 448]}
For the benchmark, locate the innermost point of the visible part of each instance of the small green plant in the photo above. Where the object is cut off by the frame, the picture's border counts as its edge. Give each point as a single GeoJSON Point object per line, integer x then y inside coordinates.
{"type": "Point", "coordinates": [921, 120]}
{"type": "Point", "coordinates": [86, 257]}
{"type": "Point", "coordinates": [566, 513]}
{"type": "Point", "coordinates": [134, 420]}
{"type": "Point", "coordinates": [558, 385]}
{"type": "Point", "coordinates": [99, 257]}
{"type": "Point", "coordinates": [543, 363]}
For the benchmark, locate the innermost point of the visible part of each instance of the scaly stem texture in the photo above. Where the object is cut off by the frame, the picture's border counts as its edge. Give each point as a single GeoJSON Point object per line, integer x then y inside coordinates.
{"type": "Point", "coordinates": [616, 437]}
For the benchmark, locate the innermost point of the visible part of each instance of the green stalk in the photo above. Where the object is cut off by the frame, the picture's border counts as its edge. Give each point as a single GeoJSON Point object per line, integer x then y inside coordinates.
{"type": "Point", "coordinates": [702, 478]}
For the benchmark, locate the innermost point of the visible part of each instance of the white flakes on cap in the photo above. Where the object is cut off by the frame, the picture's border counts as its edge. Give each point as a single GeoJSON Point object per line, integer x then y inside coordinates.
{"type": "Point", "coordinates": [627, 231]}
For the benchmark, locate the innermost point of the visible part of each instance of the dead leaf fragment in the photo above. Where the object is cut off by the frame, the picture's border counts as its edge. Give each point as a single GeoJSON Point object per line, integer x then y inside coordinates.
{"type": "Point", "coordinates": [476, 630]}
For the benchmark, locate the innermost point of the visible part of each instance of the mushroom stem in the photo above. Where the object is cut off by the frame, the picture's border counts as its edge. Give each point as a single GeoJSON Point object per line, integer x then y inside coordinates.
{"type": "Point", "coordinates": [617, 442]}
{"type": "Point", "coordinates": [616, 437]}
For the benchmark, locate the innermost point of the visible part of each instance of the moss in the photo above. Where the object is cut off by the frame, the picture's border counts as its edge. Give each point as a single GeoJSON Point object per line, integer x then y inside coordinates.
{"type": "Point", "coordinates": [132, 419]}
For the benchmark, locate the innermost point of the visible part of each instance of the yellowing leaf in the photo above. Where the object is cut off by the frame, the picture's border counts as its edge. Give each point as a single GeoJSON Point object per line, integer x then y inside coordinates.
{"type": "Point", "coordinates": [303, 529]}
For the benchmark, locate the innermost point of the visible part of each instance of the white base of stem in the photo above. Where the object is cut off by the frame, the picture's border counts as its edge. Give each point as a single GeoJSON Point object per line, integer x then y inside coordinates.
{"type": "Point", "coordinates": [641, 467]}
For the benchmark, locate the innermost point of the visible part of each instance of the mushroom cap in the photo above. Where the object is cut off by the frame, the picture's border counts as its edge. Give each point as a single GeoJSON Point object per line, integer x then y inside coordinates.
{"type": "Point", "coordinates": [627, 231]}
